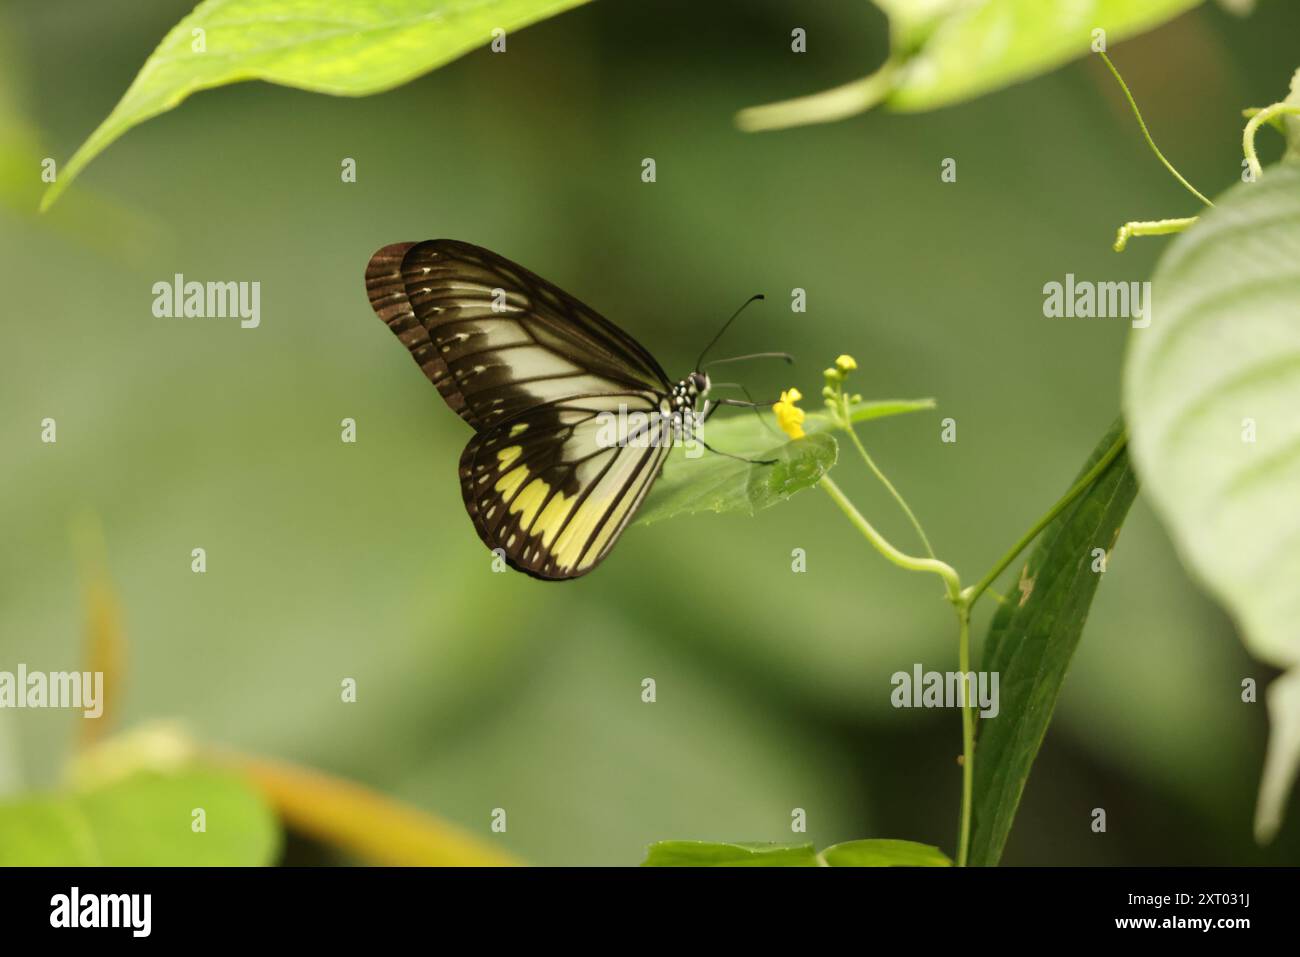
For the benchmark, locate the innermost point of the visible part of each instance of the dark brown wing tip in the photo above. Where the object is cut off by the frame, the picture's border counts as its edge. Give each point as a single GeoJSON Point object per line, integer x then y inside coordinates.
{"type": "Point", "coordinates": [386, 259]}
{"type": "Point", "coordinates": [384, 283]}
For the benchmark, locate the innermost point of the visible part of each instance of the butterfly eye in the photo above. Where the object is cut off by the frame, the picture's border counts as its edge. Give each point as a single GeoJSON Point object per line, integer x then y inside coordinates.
{"type": "Point", "coordinates": [700, 382]}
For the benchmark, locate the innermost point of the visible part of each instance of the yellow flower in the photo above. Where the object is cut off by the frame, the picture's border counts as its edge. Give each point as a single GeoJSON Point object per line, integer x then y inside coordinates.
{"type": "Point", "coordinates": [846, 363]}
{"type": "Point", "coordinates": [788, 415]}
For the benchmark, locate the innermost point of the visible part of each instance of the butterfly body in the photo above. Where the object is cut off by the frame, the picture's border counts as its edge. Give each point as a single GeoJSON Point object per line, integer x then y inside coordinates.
{"type": "Point", "coordinates": [573, 418]}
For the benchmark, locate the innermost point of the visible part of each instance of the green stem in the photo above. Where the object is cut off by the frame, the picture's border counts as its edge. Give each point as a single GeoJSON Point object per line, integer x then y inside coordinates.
{"type": "Point", "coordinates": [902, 503]}
{"type": "Point", "coordinates": [910, 562]}
{"type": "Point", "coordinates": [962, 605]}
{"type": "Point", "coordinates": [972, 594]}
{"type": "Point", "coordinates": [1146, 133]}
{"type": "Point", "coordinates": [967, 736]}
{"type": "Point", "coordinates": [1150, 227]}
{"type": "Point", "coordinates": [829, 105]}
{"type": "Point", "coordinates": [1248, 136]}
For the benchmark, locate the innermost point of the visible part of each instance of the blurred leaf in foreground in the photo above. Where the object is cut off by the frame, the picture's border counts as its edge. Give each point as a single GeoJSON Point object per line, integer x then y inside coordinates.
{"type": "Point", "coordinates": [375, 828]}
{"type": "Point", "coordinates": [866, 853]}
{"type": "Point", "coordinates": [710, 854]}
{"type": "Point", "coordinates": [147, 819]}
{"type": "Point", "coordinates": [105, 648]}
{"type": "Point", "coordinates": [885, 853]}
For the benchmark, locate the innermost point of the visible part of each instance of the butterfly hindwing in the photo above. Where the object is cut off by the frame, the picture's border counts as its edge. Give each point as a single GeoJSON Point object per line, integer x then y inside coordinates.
{"type": "Point", "coordinates": [553, 494]}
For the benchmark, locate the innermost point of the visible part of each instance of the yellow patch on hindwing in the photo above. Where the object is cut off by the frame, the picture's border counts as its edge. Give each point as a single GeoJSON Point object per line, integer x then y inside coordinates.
{"type": "Point", "coordinates": [569, 546]}
{"type": "Point", "coordinates": [527, 502]}
{"type": "Point", "coordinates": [552, 517]}
{"type": "Point", "coordinates": [508, 483]}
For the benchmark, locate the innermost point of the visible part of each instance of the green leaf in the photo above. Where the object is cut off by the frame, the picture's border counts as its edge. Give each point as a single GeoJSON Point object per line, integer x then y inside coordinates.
{"type": "Point", "coordinates": [866, 411]}
{"type": "Point", "coordinates": [946, 51]}
{"type": "Point", "coordinates": [869, 853]}
{"type": "Point", "coordinates": [716, 483]}
{"type": "Point", "coordinates": [345, 49]}
{"type": "Point", "coordinates": [885, 853]}
{"type": "Point", "coordinates": [1032, 639]}
{"type": "Point", "coordinates": [985, 46]}
{"type": "Point", "coordinates": [709, 854]}
{"type": "Point", "coordinates": [912, 21]}
{"type": "Point", "coordinates": [142, 821]}
{"type": "Point", "coordinates": [1211, 390]}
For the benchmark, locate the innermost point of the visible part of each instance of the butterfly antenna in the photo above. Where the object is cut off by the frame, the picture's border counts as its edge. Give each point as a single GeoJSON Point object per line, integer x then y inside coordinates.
{"type": "Point", "coordinates": [725, 326]}
{"type": "Point", "coordinates": [785, 356]}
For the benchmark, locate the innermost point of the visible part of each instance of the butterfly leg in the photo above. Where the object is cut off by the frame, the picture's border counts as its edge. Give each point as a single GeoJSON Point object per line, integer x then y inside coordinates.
{"type": "Point", "coordinates": [736, 385]}
{"type": "Point", "coordinates": [738, 458]}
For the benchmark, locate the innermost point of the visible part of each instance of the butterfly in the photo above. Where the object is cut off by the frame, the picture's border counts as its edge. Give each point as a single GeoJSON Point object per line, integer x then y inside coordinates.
{"type": "Point", "coordinates": [573, 418]}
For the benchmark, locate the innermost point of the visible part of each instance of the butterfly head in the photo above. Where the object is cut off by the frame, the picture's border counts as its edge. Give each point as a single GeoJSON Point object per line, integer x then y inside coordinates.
{"type": "Point", "coordinates": [682, 405]}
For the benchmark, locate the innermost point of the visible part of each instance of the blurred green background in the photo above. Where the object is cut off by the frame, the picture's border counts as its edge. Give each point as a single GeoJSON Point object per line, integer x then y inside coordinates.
{"type": "Point", "coordinates": [480, 690]}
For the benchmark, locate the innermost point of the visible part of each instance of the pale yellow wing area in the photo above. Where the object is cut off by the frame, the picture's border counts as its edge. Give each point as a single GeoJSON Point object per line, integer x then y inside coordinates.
{"type": "Point", "coordinates": [554, 488]}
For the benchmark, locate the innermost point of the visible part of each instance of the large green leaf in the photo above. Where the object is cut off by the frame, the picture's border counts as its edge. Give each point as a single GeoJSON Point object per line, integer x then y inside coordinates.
{"type": "Point", "coordinates": [144, 820]}
{"type": "Point", "coordinates": [1211, 392]}
{"type": "Point", "coordinates": [885, 853]}
{"type": "Point", "coordinates": [346, 49]}
{"type": "Point", "coordinates": [710, 854]}
{"type": "Point", "coordinates": [1032, 639]}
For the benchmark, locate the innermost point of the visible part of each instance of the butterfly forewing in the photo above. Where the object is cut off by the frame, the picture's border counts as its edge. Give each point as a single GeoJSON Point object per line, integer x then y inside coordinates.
{"type": "Point", "coordinates": [533, 370]}
{"type": "Point", "coordinates": [495, 338]}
